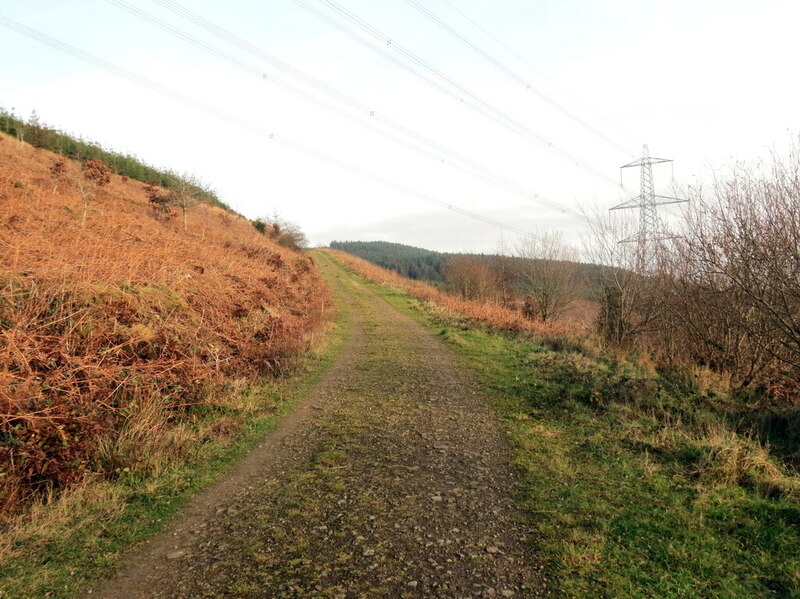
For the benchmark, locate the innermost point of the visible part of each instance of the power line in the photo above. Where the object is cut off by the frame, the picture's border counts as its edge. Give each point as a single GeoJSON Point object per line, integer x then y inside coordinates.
{"type": "Point", "coordinates": [467, 166]}
{"type": "Point", "coordinates": [241, 123]}
{"type": "Point", "coordinates": [479, 105]}
{"type": "Point", "coordinates": [510, 73]}
{"type": "Point", "coordinates": [526, 62]}
{"type": "Point", "coordinates": [495, 113]}
{"type": "Point", "coordinates": [355, 104]}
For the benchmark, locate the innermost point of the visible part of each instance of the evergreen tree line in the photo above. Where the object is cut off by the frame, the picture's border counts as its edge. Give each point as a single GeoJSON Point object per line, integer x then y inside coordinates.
{"type": "Point", "coordinates": [40, 135]}
{"type": "Point", "coordinates": [427, 265]}
{"type": "Point", "coordinates": [415, 263]}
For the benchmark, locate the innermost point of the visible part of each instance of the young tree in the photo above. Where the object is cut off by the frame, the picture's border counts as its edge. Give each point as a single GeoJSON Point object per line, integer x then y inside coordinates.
{"type": "Point", "coordinates": [182, 193]}
{"type": "Point", "coordinates": [548, 275]}
{"type": "Point", "coordinates": [505, 275]}
{"type": "Point", "coordinates": [38, 134]}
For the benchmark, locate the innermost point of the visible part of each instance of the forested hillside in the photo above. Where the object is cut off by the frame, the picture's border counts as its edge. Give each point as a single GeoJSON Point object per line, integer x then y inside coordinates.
{"type": "Point", "coordinates": [427, 265]}
{"type": "Point", "coordinates": [412, 262]}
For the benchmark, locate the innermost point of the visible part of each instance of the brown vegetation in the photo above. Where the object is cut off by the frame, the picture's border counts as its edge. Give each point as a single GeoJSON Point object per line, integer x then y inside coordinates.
{"type": "Point", "coordinates": [471, 279]}
{"type": "Point", "coordinates": [724, 293]}
{"type": "Point", "coordinates": [115, 327]}
{"type": "Point", "coordinates": [734, 278]}
{"type": "Point", "coordinates": [541, 282]}
{"type": "Point", "coordinates": [548, 275]}
{"type": "Point", "coordinates": [92, 175]}
{"type": "Point", "coordinates": [282, 231]}
{"type": "Point", "coordinates": [480, 310]}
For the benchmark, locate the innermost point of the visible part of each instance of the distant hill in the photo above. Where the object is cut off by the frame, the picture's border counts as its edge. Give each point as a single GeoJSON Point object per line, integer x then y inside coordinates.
{"type": "Point", "coordinates": [427, 265]}
{"type": "Point", "coordinates": [412, 262]}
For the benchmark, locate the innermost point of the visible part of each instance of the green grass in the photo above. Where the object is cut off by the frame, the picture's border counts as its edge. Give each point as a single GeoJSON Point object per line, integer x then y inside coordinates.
{"type": "Point", "coordinates": [81, 538]}
{"type": "Point", "coordinates": [634, 487]}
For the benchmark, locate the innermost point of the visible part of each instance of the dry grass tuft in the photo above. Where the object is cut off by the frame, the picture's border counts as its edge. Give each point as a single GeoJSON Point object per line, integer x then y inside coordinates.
{"type": "Point", "coordinates": [145, 441]}
{"type": "Point", "coordinates": [734, 459]}
{"type": "Point", "coordinates": [112, 334]}
{"type": "Point", "coordinates": [54, 518]}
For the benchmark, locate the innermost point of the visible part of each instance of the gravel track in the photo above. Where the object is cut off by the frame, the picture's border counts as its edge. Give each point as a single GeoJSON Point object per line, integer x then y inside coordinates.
{"type": "Point", "coordinates": [390, 479]}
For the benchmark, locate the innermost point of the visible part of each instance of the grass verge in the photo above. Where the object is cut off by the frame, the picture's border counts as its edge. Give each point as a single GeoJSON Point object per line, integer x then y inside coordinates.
{"type": "Point", "coordinates": [60, 547]}
{"type": "Point", "coordinates": [635, 486]}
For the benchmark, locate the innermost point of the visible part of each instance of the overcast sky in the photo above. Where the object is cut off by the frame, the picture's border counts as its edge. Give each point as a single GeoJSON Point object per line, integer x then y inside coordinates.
{"type": "Point", "coordinates": [569, 92]}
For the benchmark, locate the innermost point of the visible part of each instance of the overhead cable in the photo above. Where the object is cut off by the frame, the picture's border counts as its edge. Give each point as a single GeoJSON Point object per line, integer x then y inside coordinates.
{"type": "Point", "coordinates": [241, 123]}
{"type": "Point", "coordinates": [458, 161]}
{"type": "Point", "coordinates": [512, 74]}
{"type": "Point", "coordinates": [620, 132]}
{"type": "Point", "coordinates": [476, 103]}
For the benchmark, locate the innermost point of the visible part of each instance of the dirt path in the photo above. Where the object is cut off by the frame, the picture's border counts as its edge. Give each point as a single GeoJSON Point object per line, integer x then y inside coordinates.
{"type": "Point", "coordinates": [390, 480]}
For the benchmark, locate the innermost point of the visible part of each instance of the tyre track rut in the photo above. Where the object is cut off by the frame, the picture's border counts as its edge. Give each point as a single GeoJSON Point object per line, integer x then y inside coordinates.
{"type": "Point", "coordinates": [391, 479]}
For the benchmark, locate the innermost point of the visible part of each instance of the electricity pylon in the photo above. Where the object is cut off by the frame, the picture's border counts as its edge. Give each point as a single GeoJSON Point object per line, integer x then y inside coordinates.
{"type": "Point", "coordinates": [650, 228]}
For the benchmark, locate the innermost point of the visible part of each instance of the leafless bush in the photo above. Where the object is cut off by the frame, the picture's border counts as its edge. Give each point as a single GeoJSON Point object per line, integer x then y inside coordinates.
{"type": "Point", "coordinates": [548, 275]}
{"type": "Point", "coordinates": [629, 304]}
{"type": "Point", "coordinates": [182, 195]}
{"type": "Point", "coordinates": [735, 275]}
{"type": "Point", "coordinates": [470, 278]}
{"type": "Point", "coordinates": [283, 231]}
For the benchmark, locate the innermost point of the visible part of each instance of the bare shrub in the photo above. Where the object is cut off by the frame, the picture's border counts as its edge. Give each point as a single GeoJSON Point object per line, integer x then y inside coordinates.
{"type": "Point", "coordinates": [283, 231]}
{"type": "Point", "coordinates": [470, 278]}
{"type": "Point", "coordinates": [181, 194]}
{"type": "Point", "coordinates": [548, 275]}
{"type": "Point", "coordinates": [505, 276]}
{"type": "Point", "coordinates": [629, 304]}
{"type": "Point", "coordinates": [735, 275]}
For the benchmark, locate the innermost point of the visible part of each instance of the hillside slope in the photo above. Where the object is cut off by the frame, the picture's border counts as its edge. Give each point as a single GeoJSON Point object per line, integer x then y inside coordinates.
{"type": "Point", "coordinates": [116, 333]}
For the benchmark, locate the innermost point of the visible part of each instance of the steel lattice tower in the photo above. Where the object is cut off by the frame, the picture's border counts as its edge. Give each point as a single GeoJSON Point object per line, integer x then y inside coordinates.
{"type": "Point", "coordinates": [650, 227]}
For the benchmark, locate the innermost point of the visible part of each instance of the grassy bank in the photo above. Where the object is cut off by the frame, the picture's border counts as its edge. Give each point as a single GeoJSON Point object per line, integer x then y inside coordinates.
{"type": "Point", "coordinates": [60, 548]}
{"type": "Point", "coordinates": [635, 485]}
